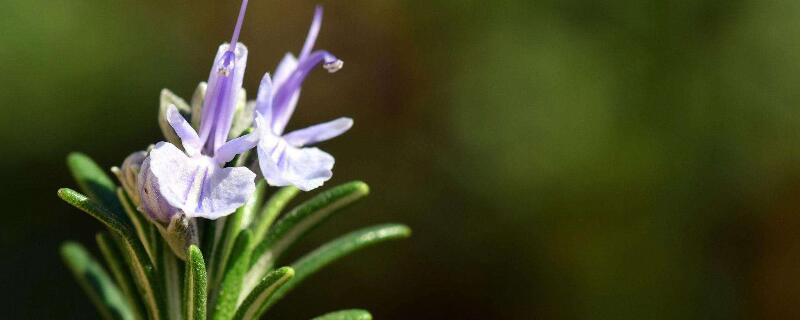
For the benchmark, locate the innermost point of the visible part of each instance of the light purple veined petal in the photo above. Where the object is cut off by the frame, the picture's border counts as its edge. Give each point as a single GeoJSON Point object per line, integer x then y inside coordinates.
{"type": "Point", "coordinates": [224, 191]}
{"type": "Point", "coordinates": [230, 149]}
{"type": "Point", "coordinates": [306, 168]}
{"type": "Point", "coordinates": [313, 32]}
{"type": "Point", "coordinates": [194, 185]}
{"type": "Point", "coordinates": [264, 98]}
{"type": "Point", "coordinates": [318, 133]}
{"type": "Point", "coordinates": [286, 94]}
{"type": "Point", "coordinates": [168, 179]}
{"type": "Point", "coordinates": [189, 138]}
{"type": "Point", "coordinates": [219, 105]}
{"type": "Point", "coordinates": [283, 165]}
{"type": "Point", "coordinates": [270, 150]}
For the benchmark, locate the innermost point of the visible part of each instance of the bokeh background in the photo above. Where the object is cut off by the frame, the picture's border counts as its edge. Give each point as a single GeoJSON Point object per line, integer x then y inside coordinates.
{"type": "Point", "coordinates": [557, 159]}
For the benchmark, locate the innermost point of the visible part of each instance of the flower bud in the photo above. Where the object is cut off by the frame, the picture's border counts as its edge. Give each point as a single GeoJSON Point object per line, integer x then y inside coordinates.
{"type": "Point", "coordinates": [180, 234]}
{"type": "Point", "coordinates": [152, 203]}
{"type": "Point", "coordinates": [129, 173]}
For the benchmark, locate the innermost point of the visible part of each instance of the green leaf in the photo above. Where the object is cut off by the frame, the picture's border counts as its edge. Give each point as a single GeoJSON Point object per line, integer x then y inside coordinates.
{"type": "Point", "coordinates": [255, 304]}
{"type": "Point", "coordinates": [94, 181]}
{"type": "Point", "coordinates": [144, 229]}
{"type": "Point", "coordinates": [231, 286]}
{"type": "Point", "coordinates": [96, 210]}
{"type": "Point", "coordinates": [302, 219]}
{"type": "Point", "coordinates": [272, 208]}
{"type": "Point", "coordinates": [171, 273]}
{"type": "Point", "coordinates": [194, 292]}
{"type": "Point", "coordinates": [138, 260]}
{"type": "Point", "coordinates": [340, 247]}
{"type": "Point", "coordinates": [352, 314]}
{"type": "Point", "coordinates": [95, 281]}
{"type": "Point", "coordinates": [115, 261]}
{"type": "Point", "coordinates": [145, 277]}
{"type": "Point", "coordinates": [233, 225]}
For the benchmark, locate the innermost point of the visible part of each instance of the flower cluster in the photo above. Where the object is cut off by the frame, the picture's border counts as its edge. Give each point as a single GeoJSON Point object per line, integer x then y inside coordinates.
{"type": "Point", "coordinates": [193, 176]}
{"type": "Point", "coordinates": [223, 241]}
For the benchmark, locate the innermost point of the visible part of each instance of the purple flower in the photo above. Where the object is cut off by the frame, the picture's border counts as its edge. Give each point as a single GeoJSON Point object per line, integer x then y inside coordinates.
{"type": "Point", "coordinates": [177, 185]}
{"type": "Point", "coordinates": [284, 158]}
{"type": "Point", "coordinates": [193, 182]}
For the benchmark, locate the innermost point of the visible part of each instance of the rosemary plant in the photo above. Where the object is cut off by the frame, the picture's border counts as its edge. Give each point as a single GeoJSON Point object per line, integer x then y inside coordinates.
{"type": "Point", "coordinates": [197, 227]}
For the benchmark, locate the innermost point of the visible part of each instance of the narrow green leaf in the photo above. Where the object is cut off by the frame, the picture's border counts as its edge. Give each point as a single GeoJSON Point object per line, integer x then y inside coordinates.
{"type": "Point", "coordinates": [96, 210]}
{"type": "Point", "coordinates": [115, 261]}
{"type": "Point", "coordinates": [172, 274]}
{"type": "Point", "coordinates": [231, 286]}
{"type": "Point", "coordinates": [138, 260]}
{"type": "Point", "coordinates": [144, 229]}
{"type": "Point", "coordinates": [96, 282]}
{"type": "Point", "coordinates": [194, 292]}
{"type": "Point", "coordinates": [145, 276]}
{"type": "Point", "coordinates": [302, 219]}
{"type": "Point", "coordinates": [272, 208]}
{"type": "Point", "coordinates": [234, 224]}
{"type": "Point", "coordinates": [340, 247]}
{"type": "Point", "coordinates": [352, 314]}
{"type": "Point", "coordinates": [94, 181]}
{"type": "Point", "coordinates": [253, 306]}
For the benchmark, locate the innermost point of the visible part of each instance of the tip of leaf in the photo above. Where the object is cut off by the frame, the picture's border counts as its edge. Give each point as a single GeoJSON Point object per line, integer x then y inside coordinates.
{"type": "Point", "coordinates": [73, 156]}
{"type": "Point", "coordinates": [65, 193]}
{"type": "Point", "coordinates": [71, 196]}
{"type": "Point", "coordinates": [285, 272]}
{"type": "Point", "coordinates": [74, 254]}
{"type": "Point", "coordinates": [195, 253]}
{"type": "Point", "coordinates": [360, 187]}
{"type": "Point", "coordinates": [399, 230]}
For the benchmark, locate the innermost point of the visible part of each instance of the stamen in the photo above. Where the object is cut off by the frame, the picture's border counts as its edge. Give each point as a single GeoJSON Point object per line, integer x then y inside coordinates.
{"type": "Point", "coordinates": [333, 66]}
{"type": "Point", "coordinates": [239, 21]}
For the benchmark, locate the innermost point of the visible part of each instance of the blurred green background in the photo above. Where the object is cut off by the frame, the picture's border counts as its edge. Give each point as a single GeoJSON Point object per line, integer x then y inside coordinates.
{"type": "Point", "coordinates": [557, 159]}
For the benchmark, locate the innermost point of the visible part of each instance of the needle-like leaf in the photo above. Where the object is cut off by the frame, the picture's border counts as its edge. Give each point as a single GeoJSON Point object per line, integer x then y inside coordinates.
{"type": "Point", "coordinates": [94, 181]}
{"type": "Point", "coordinates": [194, 292]}
{"type": "Point", "coordinates": [255, 304]}
{"type": "Point", "coordinates": [95, 281]}
{"type": "Point", "coordinates": [340, 247]}
{"type": "Point", "coordinates": [115, 262]}
{"type": "Point", "coordinates": [137, 258]}
{"type": "Point", "coordinates": [352, 314]}
{"type": "Point", "coordinates": [302, 219]}
{"type": "Point", "coordinates": [233, 225]}
{"type": "Point", "coordinates": [231, 286]}
{"type": "Point", "coordinates": [144, 229]}
{"type": "Point", "coordinates": [271, 209]}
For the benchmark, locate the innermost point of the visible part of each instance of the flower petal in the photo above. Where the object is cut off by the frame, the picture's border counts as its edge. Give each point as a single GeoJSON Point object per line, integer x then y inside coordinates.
{"type": "Point", "coordinates": [319, 132]}
{"type": "Point", "coordinates": [230, 149]}
{"type": "Point", "coordinates": [219, 104]}
{"type": "Point", "coordinates": [164, 180]}
{"type": "Point", "coordinates": [282, 164]}
{"type": "Point", "coordinates": [264, 98]}
{"type": "Point", "coordinates": [224, 191]}
{"type": "Point", "coordinates": [194, 185]}
{"type": "Point", "coordinates": [189, 138]}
